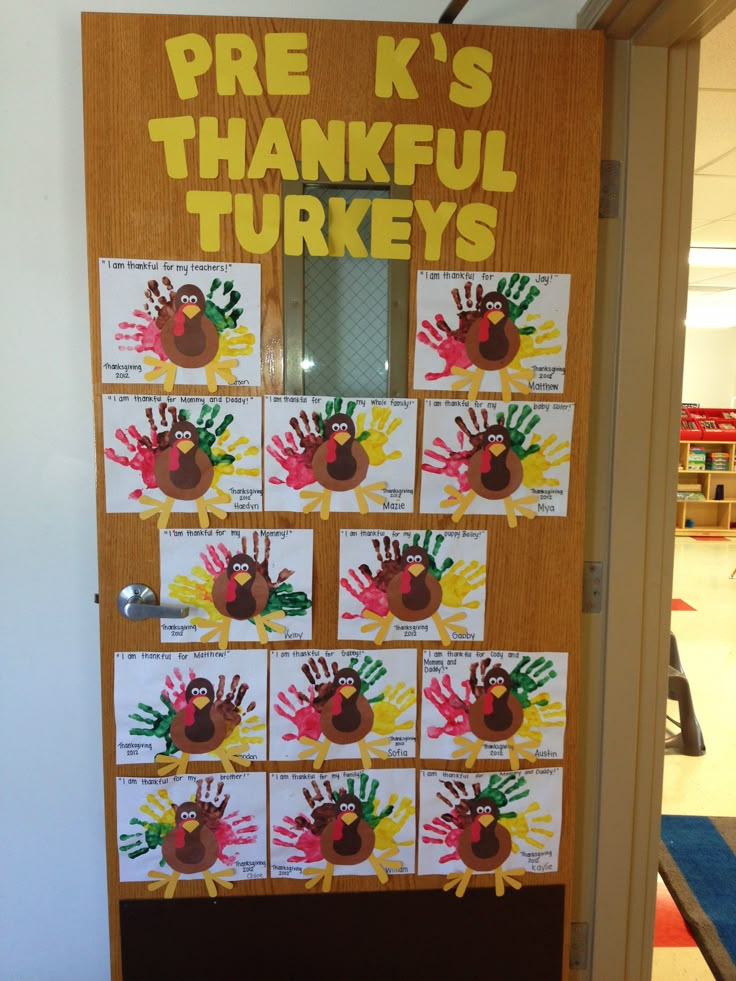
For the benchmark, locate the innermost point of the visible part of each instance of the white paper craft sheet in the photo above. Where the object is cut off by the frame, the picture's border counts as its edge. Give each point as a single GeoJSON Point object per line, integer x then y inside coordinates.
{"type": "Point", "coordinates": [294, 849]}
{"type": "Point", "coordinates": [437, 352]}
{"type": "Point", "coordinates": [191, 559]}
{"type": "Point", "coordinates": [464, 586]}
{"type": "Point", "coordinates": [538, 798]}
{"type": "Point", "coordinates": [238, 467]}
{"type": "Point", "coordinates": [391, 676]}
{"type": "Point", "coordinates": [142, 678]}
{"type": "Point", "coordinates": [143, 801]}
{"type": "Point", "coordinates": [388, 428]}
{"type": "Point", "coordinates": [129, 333]}
{"type": "Point", "coordinates": [447, 698]}
{"type": "Point", "coordinates": [447, 448]}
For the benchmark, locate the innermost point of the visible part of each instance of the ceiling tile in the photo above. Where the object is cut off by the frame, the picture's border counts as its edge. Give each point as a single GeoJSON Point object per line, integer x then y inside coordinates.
{"type": "Point", "coordinates": [716, 233]}
{"type": "Point", "coordinates": [724, 167]}
{"type": "Point", "coordinates": [713, 197]}
{"type": "Point", "coordinates": [716, 125]}
{"type": "Point", "coordinates": [718, 56]}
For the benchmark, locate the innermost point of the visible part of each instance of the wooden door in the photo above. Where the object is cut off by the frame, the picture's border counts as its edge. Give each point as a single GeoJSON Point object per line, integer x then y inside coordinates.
{"type": "Point", "coordinates": [191, 124]}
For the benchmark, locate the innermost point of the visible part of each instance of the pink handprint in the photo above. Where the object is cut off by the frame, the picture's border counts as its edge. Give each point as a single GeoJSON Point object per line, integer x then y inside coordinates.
{"type": "Point", "coordinates": [367, 591]}
{"type": "Point", "coordinates": [175, 688]}
{"type": "Point", "coordinates": [443, 833]}
{"type": "Point", "coordinates": [297, 464]}
{"type": "Point", "coordinates": [141, 337]}
{"type": "Point", "coordinates": [450, 348]}
{"type": "Point", "coordinates": [234, 831]}
{"type": "Point", "coordinates": [141, 457]}
{"type": "Point", "coordinates": [303, 716]}
{"type": "Point", "coordinates": [297, 836]}
{"type": "Point", "coordinates": [451, 706]}
{"type": "Point", "coordinates": [450, 463]}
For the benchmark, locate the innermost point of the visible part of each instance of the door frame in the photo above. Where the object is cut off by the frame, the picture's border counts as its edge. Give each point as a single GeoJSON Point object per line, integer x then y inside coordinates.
{"type": "Point", "coordinates": [650, 108]}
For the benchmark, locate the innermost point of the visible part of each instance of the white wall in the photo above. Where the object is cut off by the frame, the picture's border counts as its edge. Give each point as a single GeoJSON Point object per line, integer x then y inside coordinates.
{"type": "Point", "coordinates": [53, 906]}
{"type": "Point", "coordinates": [709, 376]}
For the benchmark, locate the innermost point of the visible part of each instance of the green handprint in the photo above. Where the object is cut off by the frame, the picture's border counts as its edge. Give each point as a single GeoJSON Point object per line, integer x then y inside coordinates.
{"type": "Point", "coordinates": [513, 292]}
{"type": "Point", "coordinates": [157, 723]}
{"type": "Point", "coordinates": [371, 670]}
{"type": "Point", "coordinates": [519, 429]}
{"type": "Point", "coordinates": [529, 675]}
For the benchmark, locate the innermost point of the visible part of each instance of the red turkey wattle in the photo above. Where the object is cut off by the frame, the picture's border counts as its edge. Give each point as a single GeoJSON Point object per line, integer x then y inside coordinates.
{"type": "Point", "coordinates": [485, 329]}
{"type": "Point", "coordinates": [189, 713]}
{"type": "Point", "coordinates": [232, 587]}
{"type": "Point", "coordinates": [178, 328]}
{"type": "Point", "coordinates": [179, 836]}
{"type": "Point", "coordinates": [331, 449]}
{"type": "Point", "coordinates": [488, 702]}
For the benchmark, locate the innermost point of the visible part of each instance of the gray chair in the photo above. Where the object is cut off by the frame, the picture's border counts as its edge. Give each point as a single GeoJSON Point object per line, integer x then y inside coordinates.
{"type": "Point", "coordinates": [689, 740]}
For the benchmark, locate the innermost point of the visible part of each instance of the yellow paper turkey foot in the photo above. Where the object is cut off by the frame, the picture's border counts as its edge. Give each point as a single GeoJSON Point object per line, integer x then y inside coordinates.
{"type": "Point", "coordinates": [228, 759]}
{"type": "Point", "coordinates": [368, 749]}
{"type": "Point", "coordinates": [207, 506]}
{"type": "Point", "coordinates": [519, 380]}
{"type": "Point", "coordinates": [218, 632]}
{"type": "Point", "coordinates": [455, 498]}
{"type": "Point", "coordinates": [524, 750]}
{"type": "Point", "coordinates": [317, 499]}
{"type": "Point", "coordinates": [378, 623]}
{"type": "Point", "coordinates": [510, 879]}
{"type": "Point", "coordinates": [320, 875]}
{"type": "Point", "coordinates": [379, 865]}
{"type": "Point", "coordinates": [171, 764]}
{"type": "Point", "coordinates": [213, 879]}
{"type": "Point", "coordinates": [162, 879]}
{"type": "Point", "coordinates": [319, 748]}
{"type": "Point", "coordinates": [158, 368]}
{"type": "Point", "coordinates": [161, 508]}
{"type": "Point", "coordinates": [458, 881]}
{"type": "Point", "coordinates": [371, 492]}
{"type": "Point", "coordinates": [262, 623]}
{"type": "Point", "coordinates": [470, 379]}
{"type": "Point", "coordinates": [444, 627]}
{"type": "Point", "coordinates": [520, 507]}
{"type": "Point", "coordinates": [222, 368]}
{"type": "Point", "coordinates": [469, 748]}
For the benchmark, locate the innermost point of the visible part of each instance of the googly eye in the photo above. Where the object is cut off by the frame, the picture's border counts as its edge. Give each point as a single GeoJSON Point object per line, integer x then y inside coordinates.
{"type": "Point", "coordinates": [351, 807]}
{"type": "Point", "coordinates": [343, 807]}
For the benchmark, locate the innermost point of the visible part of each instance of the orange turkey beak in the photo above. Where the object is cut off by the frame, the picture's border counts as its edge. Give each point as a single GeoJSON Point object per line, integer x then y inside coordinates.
{"type": "Point", "coordinates": [190, 826]}
{"type": "Point", "coordinates": [341, 438]}
{"type": "Point", "coordinates": [185, 445]}
{"type": "Point", "coordinates": [349, 817]}
{"type": "Point", "coordinates": [495, 316]}
{"type": "Point", "coordinates": [415, 568]}
{"type": "Point", "coordinates": [189, 310]}
{"type": "Point", "coordinates": [242, 578]}
{"type": "Point", "coordinates": [496, 448]}
{"type": "Point", "coordinates": [200, 701]}
{"type": "Point", "coordinates": [498, 690]}
{"type": "Point", "coordinates": [347, 691]}
{"type": "Point", "coordinates": [486, 819]}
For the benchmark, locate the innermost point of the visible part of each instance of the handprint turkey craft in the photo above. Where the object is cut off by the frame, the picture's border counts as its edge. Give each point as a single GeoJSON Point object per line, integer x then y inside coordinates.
{"type": "Point", "coordinates": [502, 824]}
{"type": "Point", "coordinates": [510, 335]}
{"type": "Point", "coordinates": [345, 823]}
{"type": "Point", "coordinates": [182, 454]}
{"type": "Point", "coordinates": [339, 454]}
{"type": "Point", "coordinates": [237, 585]}
{"type": "Point", "coordinates": [493, 705]}
{"type": "Point", "coordinates": [412, 584]}
{"type": "Point", "coordinates": [501, 458]}
{"type": "Point", "coordinates": [206, 706]}
{"type": "Point", "coordinates": [210, 828]}
{"type": "Point", "coordinates": [167, 321]}
{"type": "Point", "coordinates": [342, 704]}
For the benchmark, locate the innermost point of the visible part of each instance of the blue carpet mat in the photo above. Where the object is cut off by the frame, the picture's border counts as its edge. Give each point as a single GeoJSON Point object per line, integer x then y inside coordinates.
{"type": "Point", "coordinates": [698, 864]}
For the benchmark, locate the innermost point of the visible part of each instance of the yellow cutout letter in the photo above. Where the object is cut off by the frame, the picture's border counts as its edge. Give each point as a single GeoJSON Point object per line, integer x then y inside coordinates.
{"type": "Point", "coordinates": [495, 178]}
{"type": "Point", "coordinates": [259, 243]}
{"type": "Point", "coordinates": [286, 64]}
{"type": "Point", "coordinates": [189, 56]}
{"type": "Point", "coordinates": [407, 152]}
{"type": "Point", "coordinates": [343, 221]}
{"type": "Point", "coordinates": [475, 223]}
{"type": "Point", "coordinates": [273, 152]}
{"type": "Point", "coordinates": [388, 230]}
{"type": "Point", "coordinates": [303, 231]}
{"type": "Point", "coordinates": [364, 153]}
{"type": "Point", "coordinates": [173, 132]}
{"type": "Point", "coordinates": [235, 61]}
{"type": "Point", "coordinates": [472, 70]}
{"type": "Point", "coordinates": [458, 178]}
{"type": "Point", "coordinates": [391, 70]}
{"type": "Point", "coordinates": [213, 148]}
{"type": "Point", "coordinates": [434, 221]}
{"type": "Point", "coordinates": [209, 205]}
{"type": "Point", "coordinates": [323, 151]}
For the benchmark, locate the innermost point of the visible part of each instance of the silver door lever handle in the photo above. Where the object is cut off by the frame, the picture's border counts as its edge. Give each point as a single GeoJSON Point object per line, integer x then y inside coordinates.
{"type": "Point", "coordinates": [138, 602]}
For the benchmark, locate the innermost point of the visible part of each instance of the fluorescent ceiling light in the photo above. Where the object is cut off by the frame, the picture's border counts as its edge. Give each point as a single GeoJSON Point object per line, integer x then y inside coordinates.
{"type": "Point", "coordinates": [713, 258]}
{"type": "Point", "coordinates": [711, 309]}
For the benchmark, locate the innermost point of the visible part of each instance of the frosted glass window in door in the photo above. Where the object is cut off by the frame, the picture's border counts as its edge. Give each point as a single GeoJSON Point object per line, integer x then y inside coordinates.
{"type": "Point", "coordinates": [346, 313]}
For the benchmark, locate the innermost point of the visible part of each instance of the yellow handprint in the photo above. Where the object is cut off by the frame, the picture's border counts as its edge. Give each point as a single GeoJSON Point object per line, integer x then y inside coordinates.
{"type": "Point", "coordinates": [389, 827]}
{"type": "Point", "coordinates": [379, 432]}
{"type": "Point", "coordinates": [460, 580]}
{"type": "Point", "coordinates": [397, 700]}
{"type": "Point", "coordinates": [535, 465]}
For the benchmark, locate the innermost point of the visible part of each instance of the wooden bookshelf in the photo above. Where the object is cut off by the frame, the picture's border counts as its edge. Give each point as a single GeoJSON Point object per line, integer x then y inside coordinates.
{"type": "Point", "coordinates": [709, 516]}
